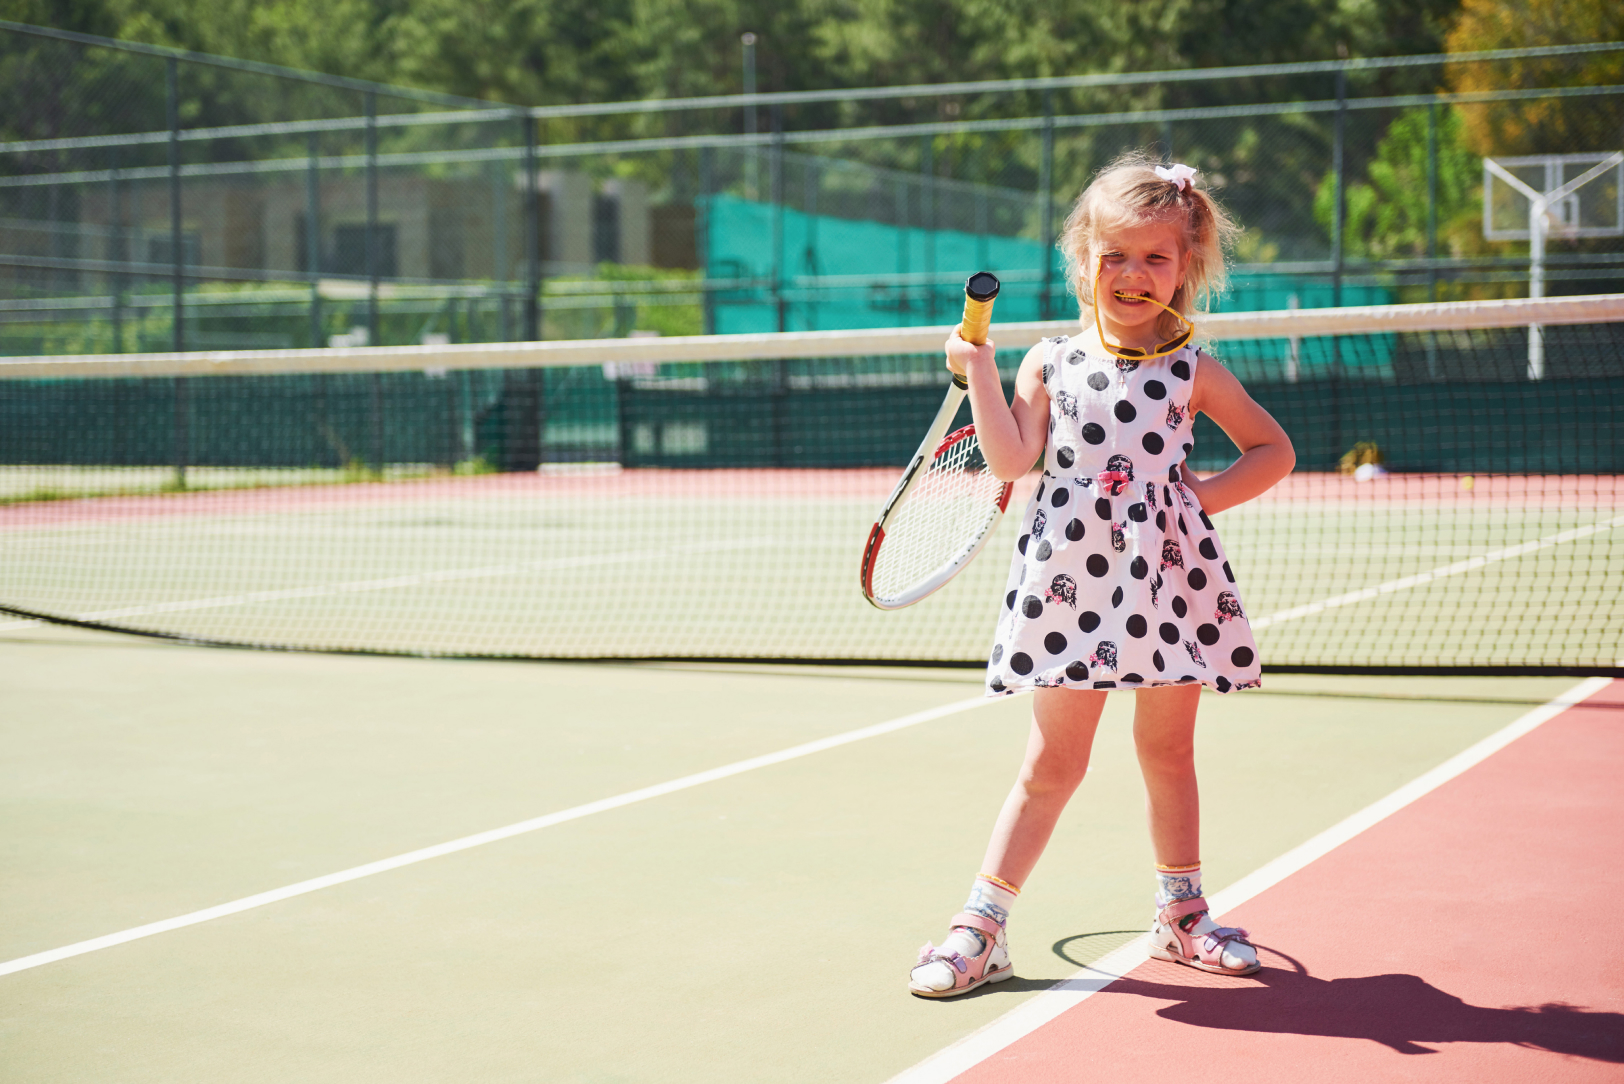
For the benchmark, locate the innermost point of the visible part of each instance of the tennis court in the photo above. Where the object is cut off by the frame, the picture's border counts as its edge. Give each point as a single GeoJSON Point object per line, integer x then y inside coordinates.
{"type": "Point", "coordinates": [752, 925]}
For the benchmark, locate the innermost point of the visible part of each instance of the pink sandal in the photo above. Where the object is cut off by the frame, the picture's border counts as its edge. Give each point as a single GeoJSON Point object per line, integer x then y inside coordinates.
{"type": "Point", "coordinates": [992, 965]}
{"type": "Point", "coordinates": [1205, 944]}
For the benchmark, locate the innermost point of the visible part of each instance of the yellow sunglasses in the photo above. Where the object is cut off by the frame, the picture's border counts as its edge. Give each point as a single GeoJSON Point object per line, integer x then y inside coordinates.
{"type": "Point", "coordinates": [1133, 353]}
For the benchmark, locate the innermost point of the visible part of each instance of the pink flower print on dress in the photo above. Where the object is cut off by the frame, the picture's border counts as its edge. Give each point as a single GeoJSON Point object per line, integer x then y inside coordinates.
{"type": "Point", "coordinates": [1118, 541]}
{"type": "Point", "coordinates": [1066, 403]}
{"type": "Point", "coordinates": [1229, 607]}
{"type": "Point", "coordinates": [1172, 556]}
{"type": "Point", "coordinates": [1176, 415]}
{"type": "Point", "coordinates": [1105, 656]}
{"type": "Point", "coordinates": [1195, 653]}
{"type": "Point", "coordinates": [1039, 522]}
{"type": "Point", "coordinates": [1155, 589]}
{"type": "Point", "coordinates": [1062, 589]}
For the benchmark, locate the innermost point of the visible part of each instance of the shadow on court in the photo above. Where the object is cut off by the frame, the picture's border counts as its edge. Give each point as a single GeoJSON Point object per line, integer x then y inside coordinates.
{"type": "Point", "coordinates": [1401, 1012]}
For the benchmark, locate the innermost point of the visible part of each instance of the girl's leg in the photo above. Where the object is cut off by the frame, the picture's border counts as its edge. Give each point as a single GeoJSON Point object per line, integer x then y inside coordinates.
{"type": "Point", "coordinates": [1057, 750]}
{"type": "Point", "coordinates": [1164, 735]}
{"type": "Point", "coordinates": [1063, 724]}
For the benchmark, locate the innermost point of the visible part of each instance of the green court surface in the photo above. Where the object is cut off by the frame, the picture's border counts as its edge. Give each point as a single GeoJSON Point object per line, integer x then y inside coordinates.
{"type": "Point", "coordinates": [755, 927]}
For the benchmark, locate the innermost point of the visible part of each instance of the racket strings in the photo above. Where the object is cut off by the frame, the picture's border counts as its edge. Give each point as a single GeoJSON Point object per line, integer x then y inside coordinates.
{"type": "Point", "coordinates": [942, 520]}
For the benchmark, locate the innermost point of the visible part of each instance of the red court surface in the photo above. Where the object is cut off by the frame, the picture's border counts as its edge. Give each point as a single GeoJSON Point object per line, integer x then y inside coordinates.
{"type": "Point", "coordinates": [1471, 936]}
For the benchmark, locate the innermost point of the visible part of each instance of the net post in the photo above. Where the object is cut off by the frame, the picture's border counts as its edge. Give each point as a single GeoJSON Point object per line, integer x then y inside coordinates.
{"type": "Point", "coordinates": [313, 239]}
{"type": "Point", "coordinates": [1536, 285]}
{"type": "Point", "coordinates": [1046, 191]}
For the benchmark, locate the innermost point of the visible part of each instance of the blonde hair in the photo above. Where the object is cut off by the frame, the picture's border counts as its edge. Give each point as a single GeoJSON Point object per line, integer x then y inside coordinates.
{"type": "Point", "coordinates": [1129, 193]}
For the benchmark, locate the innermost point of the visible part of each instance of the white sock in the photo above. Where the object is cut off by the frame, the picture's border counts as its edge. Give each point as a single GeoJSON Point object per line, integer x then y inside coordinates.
{"type": "Point", "coordinates": [1174, 883]}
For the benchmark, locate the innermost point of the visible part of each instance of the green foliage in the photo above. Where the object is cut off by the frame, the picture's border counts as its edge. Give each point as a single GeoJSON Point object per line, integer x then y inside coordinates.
{"type": "Point", "coordinates": [1387, 211]}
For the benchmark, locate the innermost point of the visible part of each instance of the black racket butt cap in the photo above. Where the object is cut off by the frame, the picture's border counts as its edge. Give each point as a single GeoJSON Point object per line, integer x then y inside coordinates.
{"type": "Point", "coordinates": [982, 286]}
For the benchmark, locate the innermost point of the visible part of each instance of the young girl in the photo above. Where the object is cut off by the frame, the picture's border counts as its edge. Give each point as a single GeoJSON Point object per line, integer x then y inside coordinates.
{"type": "Point", "coordinates": [1119, 580]}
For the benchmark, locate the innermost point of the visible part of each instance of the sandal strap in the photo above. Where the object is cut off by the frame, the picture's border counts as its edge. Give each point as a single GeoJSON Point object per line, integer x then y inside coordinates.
{"type": "Point", "coordinates": [976, 922]}
{"type": "Point", "coordinates": [1180, 908]}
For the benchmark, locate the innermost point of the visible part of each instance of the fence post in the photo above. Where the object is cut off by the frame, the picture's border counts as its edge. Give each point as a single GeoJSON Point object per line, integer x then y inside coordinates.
{"type": "Point", "coordinates": [117, 248]}
{"type": "Point", "coordinates": [1432, 229]}
{"type": "Point", "coordinates": [313, 241]}
{"type": "Point", "coordinates": [927, 215]}
{"type": "Point", "coordinates": [532, 235]}
{"type": "Point", "coordinates": [182, 451]}
{"type": "Point", "coordinates": [707, 296]}
{"type": "Point", "coordinates": [1046, 190]}
{"type": "Point", "coordinates": [1339, 166]}
{"type": "Point", "coordinates": [776, 179]}
{"type": "Point", "coordinates": [371, 247]}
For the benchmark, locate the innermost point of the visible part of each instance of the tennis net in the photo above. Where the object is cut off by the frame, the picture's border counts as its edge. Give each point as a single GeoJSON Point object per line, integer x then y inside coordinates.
{"type": "Point", "coordinates": [1457, 505]}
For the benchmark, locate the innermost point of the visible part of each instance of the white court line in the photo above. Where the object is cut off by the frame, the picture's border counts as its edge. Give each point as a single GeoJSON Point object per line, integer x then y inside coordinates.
{"type": "Point", "coordinates": [1470, 564]}
{"type": "Point", "coordinates": [494, 835]}
{"type": "Point", "coordinates": [982, 1044]}
{"type": "Point", "coordinates": [416, 579]}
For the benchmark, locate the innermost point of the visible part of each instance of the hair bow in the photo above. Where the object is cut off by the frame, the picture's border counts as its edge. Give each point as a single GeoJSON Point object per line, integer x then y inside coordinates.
{"type": "Point", "coordinates": [1179, 173]}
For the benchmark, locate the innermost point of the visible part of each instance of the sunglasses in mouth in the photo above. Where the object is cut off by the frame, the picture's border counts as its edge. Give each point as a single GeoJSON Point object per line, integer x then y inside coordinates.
{"type": "Point", "coordinates": [1134, 353]}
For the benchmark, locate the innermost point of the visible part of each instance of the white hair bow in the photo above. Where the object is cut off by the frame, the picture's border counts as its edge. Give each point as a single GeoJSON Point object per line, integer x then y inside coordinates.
{"type": "Point", "coordinates": [1179, 173]}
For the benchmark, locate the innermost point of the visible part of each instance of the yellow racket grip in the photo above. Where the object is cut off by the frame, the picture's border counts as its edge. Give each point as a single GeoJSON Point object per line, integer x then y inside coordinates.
{"type": "Point", "coordinates": [979, 294]}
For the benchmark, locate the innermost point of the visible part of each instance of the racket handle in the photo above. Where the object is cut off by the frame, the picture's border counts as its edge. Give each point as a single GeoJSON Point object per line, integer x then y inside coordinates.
{"type": "Point", "coordinates": [979, 294]}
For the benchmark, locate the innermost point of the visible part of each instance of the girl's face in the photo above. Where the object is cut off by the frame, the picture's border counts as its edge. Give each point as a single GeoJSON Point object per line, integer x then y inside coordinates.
{"type": "Point", "coordinates": [1133, 262]}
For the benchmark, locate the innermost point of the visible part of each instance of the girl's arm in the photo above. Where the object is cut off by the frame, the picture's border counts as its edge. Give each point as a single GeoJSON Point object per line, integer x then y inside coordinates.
{"type": "Point", "coordinates": [1012, 437]}
{"type": "Point", "coordinates": [1266, 452]}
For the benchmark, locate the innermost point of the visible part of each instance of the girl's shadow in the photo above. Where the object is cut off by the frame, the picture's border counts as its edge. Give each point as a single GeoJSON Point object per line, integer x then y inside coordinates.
{"type": "Point", "coordinates": [1399, 1011]}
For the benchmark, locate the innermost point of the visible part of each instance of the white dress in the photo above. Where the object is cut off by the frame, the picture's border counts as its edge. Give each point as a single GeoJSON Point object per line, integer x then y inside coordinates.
{"type": "Point", "coordinates": [1118, 579]}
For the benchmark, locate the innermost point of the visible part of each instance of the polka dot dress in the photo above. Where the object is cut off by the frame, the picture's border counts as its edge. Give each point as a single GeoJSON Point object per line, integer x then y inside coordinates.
{"type": "Point", "coordinates": [1119, 580]}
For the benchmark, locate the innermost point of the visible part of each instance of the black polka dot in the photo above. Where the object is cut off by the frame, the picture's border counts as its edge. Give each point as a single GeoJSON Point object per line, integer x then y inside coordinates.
{"type": "Point", "coordinates": [1167, 496]}
{"type": "Point", "coordinates": [1153, 443]}
{"type": "Point", "coordinates": [1222, 683]}
{"type": "Point", "coordinates": [1173, 475]}
{"type": "Point", "coordinates": [1099, 381]}
{"type": "Point", "coordinates": [1137, 627]}
{"type": "Point", "coordinates": [1169, 632]}
{"type": "Point", "coordinates": [1061, 496]}
{"type": "Point", "coordinates": [1180, 607]}
{"type": "Point", "coordinates": [1181, 369]}
{"type": "Point", "coordinates": [1208, 550]}
{"type": "Point", "coordinates": [1205, 522]}
{"type": "Point", "coordinates": [1139, 569]}
{"type": "Point", "coordinates": [1074, 530]}
{"type": "Point", "coordinates": [997, 685]}
{"type": "Point", "coordinates": [1197, 579]}
{"type": "Point", "coordinates": [1124, 411]}
{"type": "Point", "coordinates": [1241, 656]}
{"type": "Point", "coordinates": [1054, 643]}
{"type": "Point", "coordinates": [1187, 679]}
{"type": "Point", "coordinates": [1138, 513]}
{"type": "Point", "coordinates": [1077, 671]}
{"type": "Point", "coordinates": [1188, 448]}
{"type": "Point", "coordinates": [1155, 389]}
{"type": "Point", "coordinates": [1021, 545]}
{"type": "Point", "coordinates": [1161, 520]}
{"type": "Point", "coordinates": [1228, 575]}
{"type": "Point", "coordinates": [1021, 663]}
{"type": "Point", "coordinates": [1038, 496]}
{"type": "Point", "coordinates": [1116, 598]}
{"type": "Point", "coordinates": [1105, 685]}
{"type": "Point", "coordinates": [1065, 457]}
{"type": "Point", "coordinates": [1009, 601]}
{"type": "Point", "coordinates": [1182, 528]}
{"type": "Point", "coordinates": [1048, 373]}
{"type": "Point", "coordinates": [1160, 663]}
{"type": "Point", "coordinates": [997, 653]}
{"type": "Point", "coordinates": [1032, 606]}
{"type": "Point", "coordinates": [1102, 508]}
{"type": "Point", "coordinates": [1089, 621]}
{"type": "Point", "coordinates": [1094, 433]}
{"type": "Point", "coordinates": [1044, 550]}
{"type": "Point", "coordinates": [1207, 634]}
{"type": "Point", "coordinates": [1098, 565]}
{"type": "Point", "coordinates": [1132, 679]}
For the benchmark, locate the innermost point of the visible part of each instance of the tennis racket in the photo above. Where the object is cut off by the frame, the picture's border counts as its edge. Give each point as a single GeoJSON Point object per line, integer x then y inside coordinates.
{"type": "Point", "coordinates": [947, 502]}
